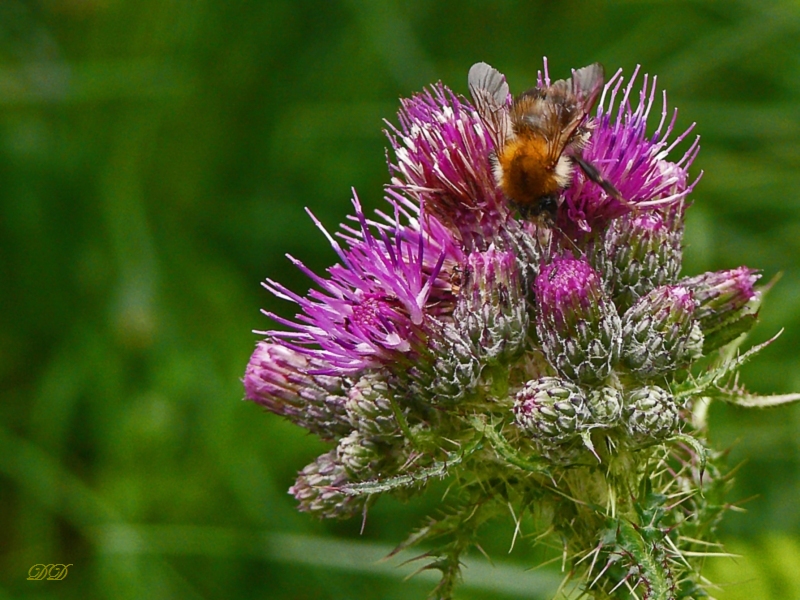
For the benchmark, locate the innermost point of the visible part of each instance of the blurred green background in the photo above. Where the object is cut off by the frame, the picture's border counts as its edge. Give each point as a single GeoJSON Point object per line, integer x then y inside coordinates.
{"type": "Point", "coordinates": [155, 159]}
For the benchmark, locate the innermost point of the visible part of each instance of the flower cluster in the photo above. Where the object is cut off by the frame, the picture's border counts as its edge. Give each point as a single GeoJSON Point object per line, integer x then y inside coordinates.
{"type": "Point", "coordinates": [545, 361]}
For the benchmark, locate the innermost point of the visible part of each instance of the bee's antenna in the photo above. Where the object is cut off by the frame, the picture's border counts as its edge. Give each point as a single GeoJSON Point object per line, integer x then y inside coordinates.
{"type": "Point", "coordinates": [566, 237]}
{"type": "Point", "coordinates": [549, 221]}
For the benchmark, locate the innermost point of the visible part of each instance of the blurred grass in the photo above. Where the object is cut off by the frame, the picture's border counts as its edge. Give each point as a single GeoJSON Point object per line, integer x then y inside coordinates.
{"type": "Point", "coordinates": [155, 159]}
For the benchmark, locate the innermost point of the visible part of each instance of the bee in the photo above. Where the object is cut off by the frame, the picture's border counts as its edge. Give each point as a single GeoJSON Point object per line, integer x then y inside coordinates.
{"type": "Point", "coordinates": [539, 138]}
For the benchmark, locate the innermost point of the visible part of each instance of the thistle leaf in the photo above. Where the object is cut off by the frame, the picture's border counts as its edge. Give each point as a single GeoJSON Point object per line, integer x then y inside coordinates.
{"type": "Point", "coordinates": [716, 376]}
{"type": "Point", "coordinates": [755, 401]}
{"type": "Point", "coordinates": [439, 469]}
{"type": "Point", "coordinates": [697, 446]}
{"type": "Point", "coordinates": [647, 558]}
{"type": "Point", "coordinates": [505, 450]}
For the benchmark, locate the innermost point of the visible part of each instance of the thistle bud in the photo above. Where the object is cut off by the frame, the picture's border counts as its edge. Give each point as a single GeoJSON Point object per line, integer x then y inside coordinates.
{"type": "Point", "coordinates": [651, 415]}
{"type": "Point", "coordinates": [316, 489]}
{"type": "Point", "coordinates": [639, 252]}
{"type": "Point", "coordinates": [456, 369]}
{"type": "Point", "coordinates": [727, 304]}
{"type": "Point", "coordinates": [369, 408]}
{"type": "Point", "coordinates": [358, 454]}
{"type": "Point", "coordinates": [605, 406]}
{"type": "Point", "coordinates": [578, 327]}
{"type": "Point", "coordinates": [660, 333]}
{"type": "Point", "coordinates": [529, 248]}
{"type": "Point", "coordinates": [283, 381]}
{"type": "Point", "coordinates": [491, 310]}
{"type": "Point", "coordinates": [551, 410]}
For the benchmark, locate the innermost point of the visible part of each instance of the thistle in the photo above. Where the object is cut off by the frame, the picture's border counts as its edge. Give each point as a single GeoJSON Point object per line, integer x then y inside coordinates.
{"type": "Point", "coordinates": [557, 365]}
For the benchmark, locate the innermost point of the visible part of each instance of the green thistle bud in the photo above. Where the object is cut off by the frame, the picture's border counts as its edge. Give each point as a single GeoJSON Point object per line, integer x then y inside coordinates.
{"type": "Point", "coordinates": [660, 333]}
{"type": "Point", "coordinates": [369, 409]}
{"type": "Point", "coordinates": [491, 311]}
{"type": "Point", "coordinates": [651, 415]}
{"type": "Point", "coordinates": [639, 252]}
{"type": "Point", "coordinates": [551, 410]}
{"type": "Point", "coordinates": [455, 371]}
{"type": "Point", "coordinates": [605, 406]}
{"type": "Point", "coordinates": [358, 454]}
{"type": "Point", "coordinates": [727, 302]}
{"type": "Point", "coordinates": [316, 489]}
{"type": "Point", "coordinates": [578, 327]}
{"type": "Point", "coordinates": [516, 237]}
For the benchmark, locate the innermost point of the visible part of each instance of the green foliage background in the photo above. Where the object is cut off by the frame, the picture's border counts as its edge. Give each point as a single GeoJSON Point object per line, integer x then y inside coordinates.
{"type": "Point", "coordinates": [155, 159]}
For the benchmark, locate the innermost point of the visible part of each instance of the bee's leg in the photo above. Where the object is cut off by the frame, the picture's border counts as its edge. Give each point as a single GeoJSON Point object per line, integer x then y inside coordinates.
{"type": "Point", "coordinates": [594, 174]}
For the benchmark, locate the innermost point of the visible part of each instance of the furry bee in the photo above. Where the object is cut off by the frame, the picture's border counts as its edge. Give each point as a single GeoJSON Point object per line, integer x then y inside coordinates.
{"type": "Point", "coordinates": [539, 139]}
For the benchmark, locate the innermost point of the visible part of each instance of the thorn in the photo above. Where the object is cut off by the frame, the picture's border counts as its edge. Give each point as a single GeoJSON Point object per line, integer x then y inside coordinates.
{"type": "Point", "coordinates": [594, 560]}
{"type": "Point", "coordinates": [623, 580]}
{"type": "Point", "coordinates": [586, 436]}
{"type": "Point", "coordinates": [517, 525]}
{"type": "Point", "coordinates": [601, 573]}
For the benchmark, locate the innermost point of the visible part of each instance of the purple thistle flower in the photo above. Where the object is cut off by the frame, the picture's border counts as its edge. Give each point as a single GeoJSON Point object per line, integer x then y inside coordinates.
{"type": "Point", "coordinates": [373, 308]}
{"type": "Point", "coordinates": [633, 162]}
{"type": "Point", "coordinates": [445, 317]}
{"type": "Point", "coordinates": [722, 292]}
{"type": "Point", "coordinates": [567, 290]}
{"type": "Point", "coordinates": [442, 151]}
{"type": "Point", "coordinates": [578, 326]}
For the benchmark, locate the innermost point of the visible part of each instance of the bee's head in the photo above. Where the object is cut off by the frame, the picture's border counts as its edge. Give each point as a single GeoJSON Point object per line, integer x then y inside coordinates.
{"type": "Point", "coordinates": [545, 208]}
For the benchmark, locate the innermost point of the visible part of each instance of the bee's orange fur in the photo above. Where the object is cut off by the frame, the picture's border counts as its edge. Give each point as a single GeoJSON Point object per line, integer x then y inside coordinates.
{"type": "Point", "coordinates": [527, 176]}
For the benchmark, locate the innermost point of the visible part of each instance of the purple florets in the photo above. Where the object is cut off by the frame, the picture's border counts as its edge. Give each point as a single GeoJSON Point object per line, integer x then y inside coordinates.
{"type": "Point", "coordinates": [373, 308]}
{"type": "Point", "coordinates": [442, 152]}
{"type": "Point", "coordinates": [632, 161]}
{"type": "Point", "coordinates": [577, 325]}
{"type": "Point", "coordinates": [287, 383]}
{"type": "Point", "coordinates": [567, 290]}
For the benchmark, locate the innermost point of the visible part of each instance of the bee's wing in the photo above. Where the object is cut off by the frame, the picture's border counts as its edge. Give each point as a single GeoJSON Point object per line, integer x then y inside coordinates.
{"type": "Point", "coordinates": [570, 100]}
{"type": "Point", "coordinates": [586, 84]}
{"type": "Point", "coordinates": [489, 91]}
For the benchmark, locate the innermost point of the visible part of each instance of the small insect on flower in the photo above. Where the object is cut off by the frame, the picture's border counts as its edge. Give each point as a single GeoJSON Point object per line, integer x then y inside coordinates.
{"type": "Point", "coordinates": [539, 137]}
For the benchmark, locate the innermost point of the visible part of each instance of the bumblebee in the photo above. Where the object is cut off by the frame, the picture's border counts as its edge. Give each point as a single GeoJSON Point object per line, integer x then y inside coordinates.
{"type": "Point", "coordinates": [539, 138]}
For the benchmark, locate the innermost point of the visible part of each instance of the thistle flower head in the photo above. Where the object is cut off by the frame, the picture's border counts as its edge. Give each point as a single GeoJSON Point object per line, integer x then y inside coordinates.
{"type": "Point", "coordinates": [660, 333]}
{"type": "Point", "coordinates": [652, 415]}
{"type": "Point", "coordinates": [633, 162]}
{"type": "Point", "coordinates": [568, 290]}
{"type": "Point", "coordinates": [551, 410]}
{"type": "Point", "coordinates": [317, 489]}
{"type": "Point", "coordinates": [492, 311]}
{"type": "Point", "coordinates": [358, 454]}
{"type": "Point", "coordinates": [605, 406]}
{"type": "Point", "coordinates": [442, 154]}
{"type": "Point", "coordinates": [638, 253]}
{"type": "Point", "coordinates": [526, 361]}
{"type": "Point", "coordinates": [577, 326]}
{"type": "Point", "coordinates": [290, 384]}
{"type": "Point", "coordinates": [372, 309]}
{"type": "Point", "coordinates": [369, 408]}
